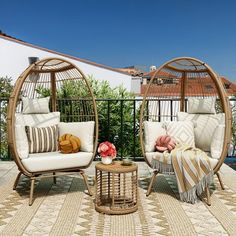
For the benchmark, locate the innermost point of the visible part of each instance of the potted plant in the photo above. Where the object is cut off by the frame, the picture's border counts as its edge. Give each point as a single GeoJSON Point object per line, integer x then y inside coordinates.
{"type": "Point", "coordinates": [107, 152]}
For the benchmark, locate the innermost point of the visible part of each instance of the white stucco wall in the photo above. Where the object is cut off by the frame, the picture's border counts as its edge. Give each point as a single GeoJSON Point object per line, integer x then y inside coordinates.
{"type": "Point", "coordinates": [14, 60]}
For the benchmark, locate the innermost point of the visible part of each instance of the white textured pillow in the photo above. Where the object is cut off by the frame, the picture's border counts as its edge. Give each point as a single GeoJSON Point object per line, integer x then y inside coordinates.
{"type": "Point", "coordinates": [217, 142]}
{"type": "Point", "coordinates": [22, 145]}
{"type": "Point", "coordinates": [152, 130]}
{"type": "Point", "coordinates": [202, 105]}
{"type": "Point", "coordinates": [83, 130]}
{"type": "Point", "coordinates": [181, 131]}
{"type": "Point", "coordinates": [37, 120]}
{"type": "Point", "coordinates": [205, 125]}
{"type": "Point", "coordinates": [35, 105]}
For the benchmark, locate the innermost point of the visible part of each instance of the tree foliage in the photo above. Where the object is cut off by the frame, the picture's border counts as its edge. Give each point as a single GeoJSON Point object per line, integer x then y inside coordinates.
{"type": "Point", "coordinates": [5, 87]}
{"type": "Point", "coordinates": [116, 117]}
{"type": "Point", "coordinates": [233, 140]}
{"type": "Point", "coordinates": [116, 114]}
{"type": "Point", "coordinates": [5, 91]}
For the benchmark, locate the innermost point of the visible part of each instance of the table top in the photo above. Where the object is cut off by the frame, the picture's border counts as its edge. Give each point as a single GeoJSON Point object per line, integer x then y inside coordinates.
{"type": "Point", "coordinates": [116, 167]}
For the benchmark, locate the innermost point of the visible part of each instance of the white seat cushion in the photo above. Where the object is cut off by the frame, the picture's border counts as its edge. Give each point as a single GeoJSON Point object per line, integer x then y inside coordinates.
{"type": "Point", "coordinates": [204, 128]}
{"type": "Point", "coordinates": [55, 161]}
{"type": "Point", "coordinates": [150, 155]}
{"type": "Point", "coordinates": [152, 130]}
{"type": "Point", "coordinates": [36, 120]}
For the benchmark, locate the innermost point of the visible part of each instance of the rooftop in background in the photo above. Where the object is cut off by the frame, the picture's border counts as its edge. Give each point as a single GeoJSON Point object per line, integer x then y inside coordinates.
{"type": "Point", "coordinates": [171, 86]}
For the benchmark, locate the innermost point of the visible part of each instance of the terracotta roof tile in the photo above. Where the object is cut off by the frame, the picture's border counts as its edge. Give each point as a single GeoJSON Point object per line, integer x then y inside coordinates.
{"type": "Point", "coordinates": [194, 88]}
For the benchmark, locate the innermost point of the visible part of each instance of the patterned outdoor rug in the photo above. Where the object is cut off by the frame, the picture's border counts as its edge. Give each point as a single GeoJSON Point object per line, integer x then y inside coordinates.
{"type": "Point", "coordinates": [64, 209]}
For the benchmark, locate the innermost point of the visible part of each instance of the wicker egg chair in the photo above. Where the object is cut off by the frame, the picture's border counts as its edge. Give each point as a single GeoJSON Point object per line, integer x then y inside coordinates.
{"type": "Point", "coordinates": [167, 93]}
{"type": "Point", "coordinates": [52, 77]}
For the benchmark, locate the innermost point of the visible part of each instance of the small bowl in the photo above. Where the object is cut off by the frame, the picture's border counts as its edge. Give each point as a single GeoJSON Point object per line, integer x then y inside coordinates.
{"type": "Point", "coordinates": [127, 162]}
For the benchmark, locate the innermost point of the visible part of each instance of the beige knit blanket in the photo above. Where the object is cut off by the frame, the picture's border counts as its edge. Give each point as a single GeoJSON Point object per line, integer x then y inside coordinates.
{"type": "Point", "coordinates": [191, 167]}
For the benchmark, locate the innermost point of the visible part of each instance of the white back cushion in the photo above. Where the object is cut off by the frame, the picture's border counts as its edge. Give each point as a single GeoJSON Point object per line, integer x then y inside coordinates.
{"type": "Point", "coordinates": [152, 130]}
{"type": "Point", "coordinates": [202, 105]}
{"type": "Point", "coordinates": [204, 127]}
{"type": "Point", "coordinates": [37, 120]}
{"type": "Point", "coordinates": [83, 130]}
{"type": "Point", "coordinates": [22, 144]}
{"type": "Point", "coordinates": [217, 141]}
{"type": "Point", "coordinates": [181, 131]}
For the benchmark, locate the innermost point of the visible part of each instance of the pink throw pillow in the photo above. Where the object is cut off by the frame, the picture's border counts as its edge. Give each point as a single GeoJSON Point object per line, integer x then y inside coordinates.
{"type": "Point", "coordinates": [164, 143]}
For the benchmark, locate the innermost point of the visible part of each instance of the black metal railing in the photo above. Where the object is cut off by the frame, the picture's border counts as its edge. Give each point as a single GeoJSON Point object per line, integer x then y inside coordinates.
{"type": "Point", "coordinates": [118, 123]}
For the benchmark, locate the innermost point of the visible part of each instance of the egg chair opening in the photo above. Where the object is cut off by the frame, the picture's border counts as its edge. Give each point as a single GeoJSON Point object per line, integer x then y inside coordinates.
{"type": "Point", "coordinates": [51, 92]}
{"type": "Point", "coordinates": [181, 90]}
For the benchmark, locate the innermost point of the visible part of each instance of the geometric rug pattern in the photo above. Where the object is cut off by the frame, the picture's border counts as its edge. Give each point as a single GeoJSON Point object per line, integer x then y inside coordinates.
{"type": "Point", "coordinates": [65, 209]}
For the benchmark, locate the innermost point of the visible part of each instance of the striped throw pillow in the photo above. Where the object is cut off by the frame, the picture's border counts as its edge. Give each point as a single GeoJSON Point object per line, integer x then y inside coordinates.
{"type": "Point", "coordinates": [42, 139]}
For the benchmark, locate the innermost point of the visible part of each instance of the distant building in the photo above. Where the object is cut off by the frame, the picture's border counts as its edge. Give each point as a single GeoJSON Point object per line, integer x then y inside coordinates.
{"type": "Point", "coordinates": [16, 54]}
{"type": "Point", "coordinates": [137, 73]}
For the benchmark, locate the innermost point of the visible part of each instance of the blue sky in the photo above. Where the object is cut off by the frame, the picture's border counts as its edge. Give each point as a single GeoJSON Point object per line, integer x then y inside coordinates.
{"type": "Point", "coordinates": [121, 33]}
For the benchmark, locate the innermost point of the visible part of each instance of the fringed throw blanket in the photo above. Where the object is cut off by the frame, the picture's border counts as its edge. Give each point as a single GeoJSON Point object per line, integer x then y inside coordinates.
{"type": "Point", "coordinates": [191, 167]}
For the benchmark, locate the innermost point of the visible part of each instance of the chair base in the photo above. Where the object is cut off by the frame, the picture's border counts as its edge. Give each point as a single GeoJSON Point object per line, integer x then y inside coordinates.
{"type": "Point", "coordinates": [150, 186]}
{"type": "Point", "coordinates": [17, 180]}
{"type": "Point", "coordinates": [33, 178]}
{"type": "Point", "coordinates": [220, 180]}
{"type": "Point", "coordinates": [208, 201]}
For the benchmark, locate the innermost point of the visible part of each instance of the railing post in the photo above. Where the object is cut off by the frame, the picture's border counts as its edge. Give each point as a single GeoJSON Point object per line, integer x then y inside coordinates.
{"type": "Point", "coordinates": [147, 110]}
{"type": "Point", "coordinates": [121, 128]}
{"type": "Point", "coordinates": [1, 128]}
{"type": "Point", "coordinates": [171, 110]}
{"type": "Point", "coordinates": [108, 120]}
{"type": "Point", "coordinates": [185, 105]}
{"type": "Point", "coordinates": [134, 128]}
{"type": "Point", "coordinates": [159, 110]}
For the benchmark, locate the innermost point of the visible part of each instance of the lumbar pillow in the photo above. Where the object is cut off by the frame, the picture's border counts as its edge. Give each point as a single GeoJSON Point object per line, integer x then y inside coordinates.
{"type": "Point", "coordinates": [164, 143]}
{"type": "Point", "coordinates": [152, 130]}
{"type": "Point", "coordinates": [217, 142]}
{"type": "Point", "coordinates": [35, 105]}
{"type": "Point", "coordinates": [181, 131]}
{"type": "Point", "coordinates": [42, 139]}
{"type": "Point", "coordinates": [69, 143]}
{"type": "Point", "coordinates": [202, 105]}
{"type": "Point", "coordinates": [83, 130]}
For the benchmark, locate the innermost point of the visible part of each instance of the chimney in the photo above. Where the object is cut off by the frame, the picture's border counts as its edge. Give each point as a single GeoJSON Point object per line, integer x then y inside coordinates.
{"type": "Point", "coordinates": [32, 60]}
{"type": "Point", "coordinates": [152, 68]}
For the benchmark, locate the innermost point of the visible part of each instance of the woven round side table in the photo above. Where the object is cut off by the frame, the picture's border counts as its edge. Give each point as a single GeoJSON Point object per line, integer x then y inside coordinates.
{"type": "Point", "coordinates": [116, 188]}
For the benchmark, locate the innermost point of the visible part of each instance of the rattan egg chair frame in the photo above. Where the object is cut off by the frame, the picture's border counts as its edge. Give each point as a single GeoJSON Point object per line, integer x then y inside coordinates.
{"type": "Point", "coordinates": [179, 79]}
{"type": "Point", "coordinates": [51, 74]}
